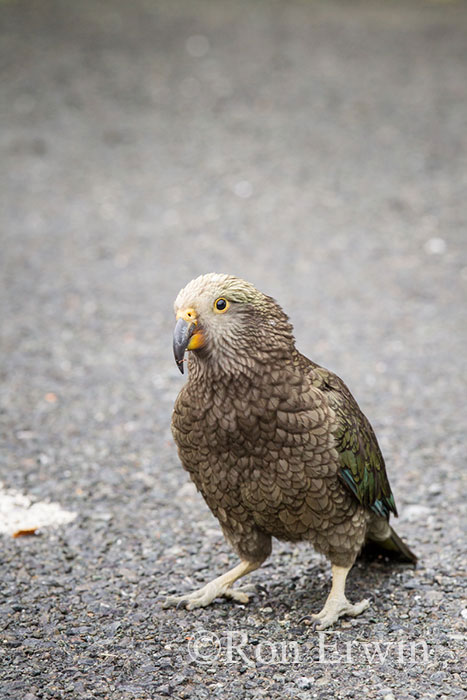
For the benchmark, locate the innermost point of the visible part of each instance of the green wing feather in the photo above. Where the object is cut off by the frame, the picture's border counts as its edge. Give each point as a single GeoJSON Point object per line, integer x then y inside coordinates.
{"type": "Point", "coordinates": [362, 465]}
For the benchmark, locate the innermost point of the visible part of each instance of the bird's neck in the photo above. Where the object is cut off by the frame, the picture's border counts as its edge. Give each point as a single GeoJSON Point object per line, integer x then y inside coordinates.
{"type": "Point", "coordinates": [253, 368]}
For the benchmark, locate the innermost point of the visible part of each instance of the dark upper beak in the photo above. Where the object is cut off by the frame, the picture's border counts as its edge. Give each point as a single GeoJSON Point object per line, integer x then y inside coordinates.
{"type": "Point", "coordinates": [182, 333]}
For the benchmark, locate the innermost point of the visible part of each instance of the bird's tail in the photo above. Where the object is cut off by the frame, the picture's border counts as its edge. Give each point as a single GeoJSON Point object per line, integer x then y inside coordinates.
{"type": "Point", "coordinates": [389, 545]}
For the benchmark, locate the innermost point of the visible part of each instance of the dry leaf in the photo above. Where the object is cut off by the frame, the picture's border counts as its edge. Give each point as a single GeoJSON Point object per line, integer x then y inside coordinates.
{"type": "Point", "coordinates": [25, 533]}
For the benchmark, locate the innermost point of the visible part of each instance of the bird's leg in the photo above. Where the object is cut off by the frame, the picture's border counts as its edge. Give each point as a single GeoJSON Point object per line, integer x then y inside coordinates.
{"type": "Point", "coordinates": [220, 586]}
{"type": "Point", "coordinates": [337, 604]}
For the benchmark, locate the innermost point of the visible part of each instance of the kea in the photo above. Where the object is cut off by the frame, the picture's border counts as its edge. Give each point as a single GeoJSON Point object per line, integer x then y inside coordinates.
{"type": "Point", "coordinates": [275, 443]}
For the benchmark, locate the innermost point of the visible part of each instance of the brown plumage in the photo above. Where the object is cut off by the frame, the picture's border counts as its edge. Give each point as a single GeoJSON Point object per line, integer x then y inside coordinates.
{"type": "Point", "coordinates": [276, 444]}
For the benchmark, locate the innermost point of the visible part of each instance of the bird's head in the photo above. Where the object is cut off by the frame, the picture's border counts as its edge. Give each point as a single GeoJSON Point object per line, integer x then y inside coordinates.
{"type": "Point", "coordinates": [228, 322]}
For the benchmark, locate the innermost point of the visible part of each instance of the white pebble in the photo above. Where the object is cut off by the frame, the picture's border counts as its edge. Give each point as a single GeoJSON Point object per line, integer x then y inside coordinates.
{"type": "Point", "coordinates": [243, 189]}
{"type": "Point", "coordinates": [435, 246]}
{"type": "Point", "coordinates": [415, 512]}
{"type": "Point", "coordinates": [304, 683]}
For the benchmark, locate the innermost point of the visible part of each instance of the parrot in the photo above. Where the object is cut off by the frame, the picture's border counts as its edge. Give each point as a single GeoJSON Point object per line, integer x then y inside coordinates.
{"type": "Point", "coordinates": [276, 444]}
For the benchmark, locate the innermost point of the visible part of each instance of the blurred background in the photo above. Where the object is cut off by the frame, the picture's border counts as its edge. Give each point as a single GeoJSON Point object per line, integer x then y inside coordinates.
{"type": "Point", "coordinates": [317, 149]}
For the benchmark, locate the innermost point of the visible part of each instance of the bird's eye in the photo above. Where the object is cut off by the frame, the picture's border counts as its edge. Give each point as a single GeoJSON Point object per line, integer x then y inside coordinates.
{"type": "Point", "coordinates": [221, 305]}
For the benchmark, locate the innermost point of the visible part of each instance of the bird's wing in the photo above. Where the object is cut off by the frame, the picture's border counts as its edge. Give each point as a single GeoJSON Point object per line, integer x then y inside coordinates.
{"type": "Point", "coordinates": [362, 465]}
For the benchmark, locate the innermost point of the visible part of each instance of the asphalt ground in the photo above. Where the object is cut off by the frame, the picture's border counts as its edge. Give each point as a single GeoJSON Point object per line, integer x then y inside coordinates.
{"type": "Point", "coordinates": [317, 149]}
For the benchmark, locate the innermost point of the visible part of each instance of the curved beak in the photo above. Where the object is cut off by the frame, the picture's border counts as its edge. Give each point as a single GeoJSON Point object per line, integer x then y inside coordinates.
{"type": "Point", "coordinates": [183, 332]}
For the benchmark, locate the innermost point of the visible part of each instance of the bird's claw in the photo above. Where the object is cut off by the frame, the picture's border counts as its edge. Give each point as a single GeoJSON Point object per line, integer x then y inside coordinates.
{"type": "Point", "coordinates": [306, 619]}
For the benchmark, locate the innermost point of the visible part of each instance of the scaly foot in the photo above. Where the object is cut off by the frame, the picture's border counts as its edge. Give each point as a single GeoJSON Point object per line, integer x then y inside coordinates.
{"type": "Point", "coordinates": [336, 608]}
{"type": "Point", "coordinates": [204, 596]}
